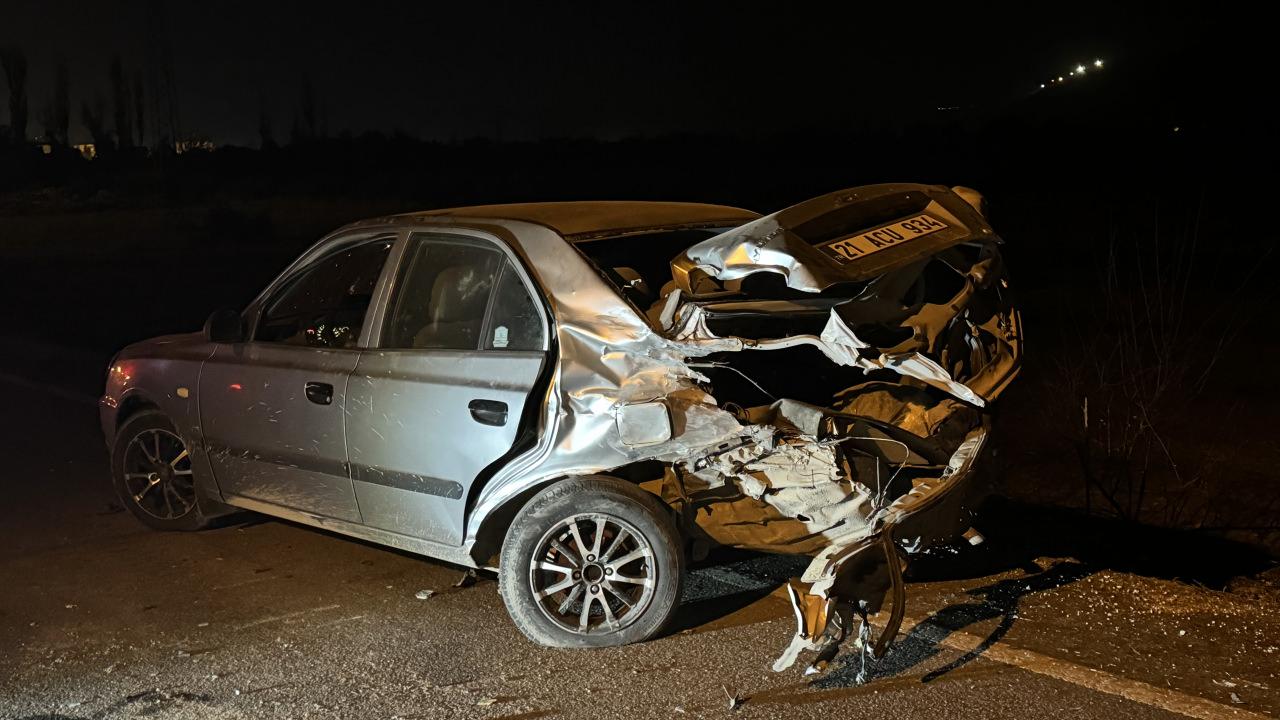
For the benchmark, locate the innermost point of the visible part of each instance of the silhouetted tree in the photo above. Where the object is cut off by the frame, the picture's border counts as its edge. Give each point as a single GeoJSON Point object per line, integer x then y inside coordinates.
{"type": "Point", "coordinates": [15, 71]}
{"type": "Point", "coordinates": [44, 116]}
{"type": "Point", "coordinates": [268, 141]}
{"type": "Point", "coordinates": [122, 106]}
{"type": "Point", "coordinates": [306, 124]}
{"type": "Point", "coordinates": [94, 118]}
{"type": "Point", "coordinates": [62, 104]}
{"type": "Point", "coordinates": [163, 86]}
{"type": "Point", "coordinates": [139, 114]}
{"type": "Point", "coordinates": [55, 117]}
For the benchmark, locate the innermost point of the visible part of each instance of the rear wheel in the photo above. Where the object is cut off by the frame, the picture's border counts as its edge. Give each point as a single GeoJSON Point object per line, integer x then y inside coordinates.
{"type": "Point", "coordinates": [152, 474]}
{"type": "Point", "coordinates": [592, 562]}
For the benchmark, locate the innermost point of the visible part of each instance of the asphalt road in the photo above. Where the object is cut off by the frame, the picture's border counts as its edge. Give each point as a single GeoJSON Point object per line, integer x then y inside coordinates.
{"type": "Point", "coordinates": [102, 618]}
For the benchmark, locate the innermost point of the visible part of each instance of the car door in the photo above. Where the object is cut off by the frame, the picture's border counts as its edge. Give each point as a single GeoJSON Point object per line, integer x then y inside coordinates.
{"type": "Point", "coordinates": [272, 408]}
{"type": "Point", "coordinates": [440, 398]}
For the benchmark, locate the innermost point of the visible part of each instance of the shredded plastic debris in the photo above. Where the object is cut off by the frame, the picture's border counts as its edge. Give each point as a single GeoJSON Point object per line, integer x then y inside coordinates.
{"type": "Point", "coordinates": [878, 347]}
{"type": "Point", "coordinates": [734, 700]}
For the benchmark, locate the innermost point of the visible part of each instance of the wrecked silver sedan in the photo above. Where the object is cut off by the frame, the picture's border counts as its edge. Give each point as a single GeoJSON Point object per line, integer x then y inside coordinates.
{"type": "Point", "coordinates": [586, 394]}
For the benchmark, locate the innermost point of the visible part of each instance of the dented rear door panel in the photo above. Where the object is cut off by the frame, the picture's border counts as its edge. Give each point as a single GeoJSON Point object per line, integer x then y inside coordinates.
{"type": "Point", "coordinates": [413, 437]}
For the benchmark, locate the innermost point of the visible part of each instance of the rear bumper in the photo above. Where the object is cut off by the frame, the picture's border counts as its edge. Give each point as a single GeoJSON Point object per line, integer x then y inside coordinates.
{"type": "Point", "coordinates": [938, 511]}
{"type": "Point", "coordinates": [854, 577]}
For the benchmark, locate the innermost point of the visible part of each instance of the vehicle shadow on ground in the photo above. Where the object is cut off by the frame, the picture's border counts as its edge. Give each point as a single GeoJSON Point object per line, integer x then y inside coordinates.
{"type": "Point", "coordinates": [997, 600]}
{"type": "Point", "coordinates": [729, 581]}
{"type": "Point", "coordinates": [1018, 534]}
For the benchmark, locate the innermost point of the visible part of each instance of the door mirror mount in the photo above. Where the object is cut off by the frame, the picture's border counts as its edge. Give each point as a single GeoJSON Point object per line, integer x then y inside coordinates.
{"type": "Point", "coordinates": [224, 326]}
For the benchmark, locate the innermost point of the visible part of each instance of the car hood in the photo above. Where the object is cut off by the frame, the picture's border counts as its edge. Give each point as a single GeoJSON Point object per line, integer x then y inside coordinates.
{"type": "Point", "coordinates": [176, 345]}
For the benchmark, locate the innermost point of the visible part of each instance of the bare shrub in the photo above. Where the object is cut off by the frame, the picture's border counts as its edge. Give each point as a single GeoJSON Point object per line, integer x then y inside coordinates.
{"type": "Point", "coordinates": [1135, 363]}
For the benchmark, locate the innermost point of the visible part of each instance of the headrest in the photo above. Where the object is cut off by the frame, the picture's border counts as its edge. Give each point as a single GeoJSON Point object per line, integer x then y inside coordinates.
{"type": "Point", "coordinates": [459, 293]}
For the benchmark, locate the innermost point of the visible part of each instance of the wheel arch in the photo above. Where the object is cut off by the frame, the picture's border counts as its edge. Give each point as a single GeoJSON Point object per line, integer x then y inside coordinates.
{"type": "Point", "coordinates": [208, 493]}
{"type": "Point", "coordinates": [493, 526]}
{"type": "Point", "coordinates": [131, 405]}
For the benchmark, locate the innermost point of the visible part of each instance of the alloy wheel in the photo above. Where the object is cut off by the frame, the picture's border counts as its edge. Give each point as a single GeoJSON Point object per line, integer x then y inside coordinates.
{"type": "Point", "coordinates": [593, 573]}
{"type": "Point", "coordinates": [157, 474]}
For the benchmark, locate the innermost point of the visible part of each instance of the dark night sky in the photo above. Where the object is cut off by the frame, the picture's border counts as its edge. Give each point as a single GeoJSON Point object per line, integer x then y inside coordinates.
{"type": "Point", "coordinates": [532, 70]}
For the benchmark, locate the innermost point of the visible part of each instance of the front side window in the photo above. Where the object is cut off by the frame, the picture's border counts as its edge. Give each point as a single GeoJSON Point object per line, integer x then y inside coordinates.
{"type": "Point", "coordinates": [325, 304]}
{"type": "Point", "coordinates": [460, 294]}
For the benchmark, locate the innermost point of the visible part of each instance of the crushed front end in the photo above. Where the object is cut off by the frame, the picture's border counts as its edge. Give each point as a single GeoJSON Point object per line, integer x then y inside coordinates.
{"type": "Point", "coordinates": [857, 342]}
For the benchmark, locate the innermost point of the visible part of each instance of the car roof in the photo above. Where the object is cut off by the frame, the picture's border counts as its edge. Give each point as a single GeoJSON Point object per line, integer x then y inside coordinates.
{"type": "Point", "coordinates": [587, 219]}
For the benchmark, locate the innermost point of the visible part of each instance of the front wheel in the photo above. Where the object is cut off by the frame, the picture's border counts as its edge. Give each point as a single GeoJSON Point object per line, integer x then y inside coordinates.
{"type": "Point", "coordinates": [152, 474]}
{"type": "Point", "coordinates": [592, 562]}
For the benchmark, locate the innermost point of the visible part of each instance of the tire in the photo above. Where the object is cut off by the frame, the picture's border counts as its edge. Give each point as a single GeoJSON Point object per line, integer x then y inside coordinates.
{"type": "Point", "coordinates": [620, 607]}
{"type": "Point", "coordinates": [161, 499]}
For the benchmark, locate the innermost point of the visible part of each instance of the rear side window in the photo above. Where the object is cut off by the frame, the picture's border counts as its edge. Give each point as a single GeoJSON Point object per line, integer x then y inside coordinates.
{"type": "Point", "coordinates": [514, 323]}
{"type": "Point", "coordinates": [443, 297]}
{"type": "Point", "coordinates": [457, 293]}
{"type": "Point", "coordinates": [324, 305]}
{"type": "Point", "coordinates": [639, 265]}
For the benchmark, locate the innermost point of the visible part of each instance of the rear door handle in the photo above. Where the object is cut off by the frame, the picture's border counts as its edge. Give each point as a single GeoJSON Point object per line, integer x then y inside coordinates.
{"type": "Point", "coordinates": [319, 393]}
{"type": "Point", "coordinates": [489, 412]}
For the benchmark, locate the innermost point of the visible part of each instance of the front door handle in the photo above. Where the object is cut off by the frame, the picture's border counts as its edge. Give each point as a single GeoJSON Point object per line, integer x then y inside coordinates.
{"type": "Point", "coordinates": [489, 412]}
{"type": "Point", "coordinates": [320, 393]}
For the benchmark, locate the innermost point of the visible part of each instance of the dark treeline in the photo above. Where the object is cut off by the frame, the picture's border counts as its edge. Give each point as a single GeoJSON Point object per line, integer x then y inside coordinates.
{"type": "Point", "coordinates": [1138, 124]}
{"type": "Point", "coordinates": [116, 125]}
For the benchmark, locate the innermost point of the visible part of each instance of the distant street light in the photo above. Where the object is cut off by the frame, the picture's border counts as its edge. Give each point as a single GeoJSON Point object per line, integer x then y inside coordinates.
{"type": "Point", "coordinates": [1080, 70]}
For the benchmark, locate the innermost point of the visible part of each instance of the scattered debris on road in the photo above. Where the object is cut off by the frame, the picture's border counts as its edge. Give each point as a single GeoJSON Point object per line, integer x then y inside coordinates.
{"type": "Point", "coordinates": [734, 699]}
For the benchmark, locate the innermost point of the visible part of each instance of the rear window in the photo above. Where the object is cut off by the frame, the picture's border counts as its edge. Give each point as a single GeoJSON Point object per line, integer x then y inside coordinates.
{"type": "Point", "coordinates": [639, 265]}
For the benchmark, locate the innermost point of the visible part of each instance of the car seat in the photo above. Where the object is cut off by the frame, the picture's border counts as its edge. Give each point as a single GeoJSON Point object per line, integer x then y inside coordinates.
{"type": "Point", "coordinates": [458, 298]}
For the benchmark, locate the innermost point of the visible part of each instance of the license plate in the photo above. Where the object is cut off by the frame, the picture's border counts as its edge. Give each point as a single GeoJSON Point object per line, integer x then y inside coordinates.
{"type": "Point", "coordinates": [895, 233]}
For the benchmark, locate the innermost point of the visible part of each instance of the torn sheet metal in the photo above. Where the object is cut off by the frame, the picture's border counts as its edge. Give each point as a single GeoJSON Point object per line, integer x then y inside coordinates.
{"type": "Point", "coordinates": [837, 342]}
{"type": "Point", "coordinates": [854, 507]}
{"type": "Point", "coordinates": [816, 488]}
{"type": "Point", "coordinates": [918, 340]}
{"type": "Point", "coordinates": [828, 581]}
{"type": "Point", "coordinates": [608, 357]}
